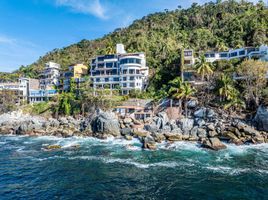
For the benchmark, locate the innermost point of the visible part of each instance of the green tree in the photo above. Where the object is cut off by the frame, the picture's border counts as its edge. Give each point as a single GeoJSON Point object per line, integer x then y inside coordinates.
{"type": "Point", "coordinates": [203, 68]}
{"type": "Point", "coordinates": [185, 92]}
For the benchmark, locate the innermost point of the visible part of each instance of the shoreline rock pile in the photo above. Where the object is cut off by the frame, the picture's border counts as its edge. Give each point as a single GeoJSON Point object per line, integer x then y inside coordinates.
{"type": "Point", "coordinates": [205, 126]}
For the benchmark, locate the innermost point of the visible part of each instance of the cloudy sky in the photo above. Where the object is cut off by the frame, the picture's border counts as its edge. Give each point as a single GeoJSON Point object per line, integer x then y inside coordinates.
{"type": "Point", "coordinates": [30, 28]}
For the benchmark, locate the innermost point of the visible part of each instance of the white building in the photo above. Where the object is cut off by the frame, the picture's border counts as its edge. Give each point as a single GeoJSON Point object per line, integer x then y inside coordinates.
{"type": "Point", "coordinates": [260, 53]}
{"type": "Point", "coordinates": [123, 70]}
{"type": "Point", "coordinates": [39, 95]}
{"type": "Point", "coordinates": [21, 87]}
{"type": "Point", "coordinates": [50, 76]}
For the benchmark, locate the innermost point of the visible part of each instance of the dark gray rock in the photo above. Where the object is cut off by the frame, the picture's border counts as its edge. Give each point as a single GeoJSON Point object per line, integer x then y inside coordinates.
{"type": "Point", "coordinates": [214, 144]}
{"type": "Point", "coordinates": [106, 123]}
{"type": "Point", "coordinates": [202, 133]}
{"type": "Point", "coordinates": [261, 118]}
{"type": "Point", "coordinates": [126, 131]}
{"type": "Point", "coordinates": [186, 124]}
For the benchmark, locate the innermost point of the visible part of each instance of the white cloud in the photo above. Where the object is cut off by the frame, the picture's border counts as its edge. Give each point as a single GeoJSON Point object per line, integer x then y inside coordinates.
{"type": "Point", "coordinates": [6, 40]}
{"type": "Point", "coordinates": [15, 52]}
{"type": "Point", "coordinates": [92, 7]}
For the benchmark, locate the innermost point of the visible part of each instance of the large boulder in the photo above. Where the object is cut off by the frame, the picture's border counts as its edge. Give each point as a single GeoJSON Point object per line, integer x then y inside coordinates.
{"type": "Point", "coordinates": [261, 118]}
{"type": "Point", "coordinates": [186, 124]}
{"type": "Point", "coordinates": [106, 123]}
{"type": "Point", "coordinates": [213, 143]}
{"type": "Point", "coordinates": [202, 133]}
{"type": "Point", "coordinates": [173, 136]}
{"type": "Point", "coordinates": [149, 143]}
{"type": "Point", "coordinates": [204, 113]}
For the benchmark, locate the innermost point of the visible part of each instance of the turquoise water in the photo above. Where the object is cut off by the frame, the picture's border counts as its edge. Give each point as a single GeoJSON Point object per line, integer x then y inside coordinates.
{"type": "Point", "coordinates": [111, 169]}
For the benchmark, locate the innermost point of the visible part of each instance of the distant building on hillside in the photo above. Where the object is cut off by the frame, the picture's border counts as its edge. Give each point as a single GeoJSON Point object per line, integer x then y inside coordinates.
{"type": "Point", "coordinates": [50, 76]}
{"type": "Point", "coordinates": [260, 53]}
{"type": "Point", "coordinates": [127, 71]}
{"type": "Point", "coordinates": [77, 72]}
{"type": "Point", "coordinates": [188, 68]}
{"type": "Point", "coordinates": [49, 80]}
{"type": "Point", "coordinates": [21, 88]}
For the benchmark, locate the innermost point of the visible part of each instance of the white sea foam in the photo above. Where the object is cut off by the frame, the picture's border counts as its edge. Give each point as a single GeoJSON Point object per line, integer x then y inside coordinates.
{"type": "Point", "coordinates": [167, 164]}
{"type": "Point", "coordinates": [181, 145]}
{"type": "Point", "coordinates": [227, 170]}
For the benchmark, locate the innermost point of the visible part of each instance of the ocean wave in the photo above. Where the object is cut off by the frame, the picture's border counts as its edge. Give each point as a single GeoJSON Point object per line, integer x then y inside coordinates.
{"type": "Point", "coordinates": [167, 164]}
{"type": "Point", "coordinates": [227, 170]}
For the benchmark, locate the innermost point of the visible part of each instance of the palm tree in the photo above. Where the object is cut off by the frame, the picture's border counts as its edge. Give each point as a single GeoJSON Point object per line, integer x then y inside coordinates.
{"type": "Point", "coordinates": [185, 92]}
{"type": "Point", "coordinates": [174, 87]}
{"type": "Point", "coordinates": [225, 87]}
{"type": "Point", "coordinates": [203, 68]}
{"type": "Point", "coordinates": [235, 101]}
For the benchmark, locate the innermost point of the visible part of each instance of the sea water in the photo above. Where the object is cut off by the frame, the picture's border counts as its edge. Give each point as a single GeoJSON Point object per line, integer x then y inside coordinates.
{"type": "Point", "coordinates": [119, 169]}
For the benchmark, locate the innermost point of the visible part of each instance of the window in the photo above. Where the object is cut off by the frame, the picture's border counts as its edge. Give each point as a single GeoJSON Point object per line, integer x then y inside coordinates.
{"type": "Point", "coordinates": [100, 59]}
{"type": "Point", "coordinates": [233, 54]}
{"type": "Point", "coordinates": [187, 62]}
{"type": "Point", "coordinates": [124, 71]}
{"type": "Point", "coordinates": [131, 85]}
{"type": "Point", "coordinates": [97, 79]}
{"type": "Point", "coordinates": [114, 72]}
{"type": "Point", "coordinates": [137, 71]}
{"type": "Point", "coordinates": [109, 56]}
{"type": "Point", "coordinates": [188, 53]}
{"type": "Point", "coordinates": [100, 65]}
{"type": "Point", "coordinates": [130, 60]}
{"type": "Point", "coordinates": [131, 71]}
{"type": "Point", "coordinates": [132, 78]}
{"type": "Point", "coordinates": [124, 78]}
{"type": "Point", "coordinates": [124, 85]}
{"type": "Point", "coordinates": [242, 52]}
{"type": "Point", "coordinates": [116, 79]}
{"type": "Point", "coordinates": [109, 65]}
{"type": "Point", "coordinates": [224, 55]}
{"type": "Point", "coordinates": [106, 79]}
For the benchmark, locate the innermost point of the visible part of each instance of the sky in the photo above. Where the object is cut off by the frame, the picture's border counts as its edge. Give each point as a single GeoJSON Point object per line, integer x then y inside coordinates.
{"type": "Point", "coordinates": [31, 28]}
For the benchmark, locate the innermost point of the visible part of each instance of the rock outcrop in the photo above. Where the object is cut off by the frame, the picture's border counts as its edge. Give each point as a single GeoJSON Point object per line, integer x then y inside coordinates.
{"type": "Point", "coordinates": [261, 118]}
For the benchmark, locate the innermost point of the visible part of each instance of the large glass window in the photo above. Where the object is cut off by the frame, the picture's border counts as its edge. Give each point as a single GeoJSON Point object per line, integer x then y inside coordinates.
{"type": "Point", "coordinates": [100, 59]}
{"type": "Point", "coordinates": [109, 56]}
{"type": "Point", "coordinates": [130, 60]}
{"type": "Point", "coordinates": [242, 52]}
{"type": "Point", "coordinates": [109, 65]}
{"type": "Point", "coordinates": [233, 54]}
{"type": "Point", "coordinates": [224, 55]}
{"type": "Point", "coordinates": [132, 78]}
{"type": "Point", "coordinates": [131, 85]}
{"type": "Point", "coordinates": [187, 53]}
{"type": "Point", "coordinates": [100, 65]}
{"type": "Point", "coordinates": [131, 71]}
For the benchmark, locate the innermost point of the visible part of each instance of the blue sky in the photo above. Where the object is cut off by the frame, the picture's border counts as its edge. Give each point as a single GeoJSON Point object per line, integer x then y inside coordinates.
{"type": "Point", "coordinates": [30, 28]}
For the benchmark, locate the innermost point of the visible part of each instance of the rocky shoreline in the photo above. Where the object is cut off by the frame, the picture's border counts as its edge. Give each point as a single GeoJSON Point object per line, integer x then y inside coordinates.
{"type": "Point", "coordinates": [205, 126]}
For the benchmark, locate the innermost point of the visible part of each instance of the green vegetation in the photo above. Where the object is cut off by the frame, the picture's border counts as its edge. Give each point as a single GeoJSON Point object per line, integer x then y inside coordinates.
{"type": "Point", "coordinates": [162, 35]}
{"type": "Point", "coordinates": [203, 68]}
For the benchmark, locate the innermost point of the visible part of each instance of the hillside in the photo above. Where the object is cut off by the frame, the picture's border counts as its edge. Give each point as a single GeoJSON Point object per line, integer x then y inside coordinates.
{"type": "Point", "coordinates": [161, 36]}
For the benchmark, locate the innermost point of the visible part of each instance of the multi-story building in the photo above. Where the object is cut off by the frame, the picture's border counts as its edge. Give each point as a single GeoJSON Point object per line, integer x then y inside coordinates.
{"type": "Point", "coordinates": [75, 72]}
{"type": "Point", "coordinates": [50, 76]}
{"type": "Point", "coordinates": [39, 95]}
{"type": "Point", "coordinates": [188, 68]}
{"type": "Point", "coordinates": [21, 88]}
{"type": "Point", "coordinates": [260, 53]}
{"type": "Point", "coordinates": [49, 80]}
{"type": "Point", "coordinates": [127, 71]}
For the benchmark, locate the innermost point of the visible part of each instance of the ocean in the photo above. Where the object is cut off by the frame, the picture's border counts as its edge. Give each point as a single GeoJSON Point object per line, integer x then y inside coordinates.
{"type": "Point", "coordinates": [119, 169]}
